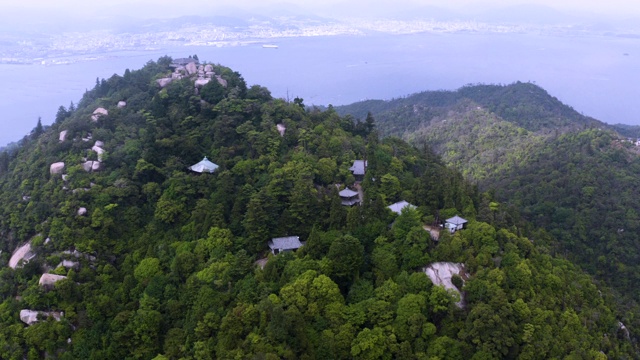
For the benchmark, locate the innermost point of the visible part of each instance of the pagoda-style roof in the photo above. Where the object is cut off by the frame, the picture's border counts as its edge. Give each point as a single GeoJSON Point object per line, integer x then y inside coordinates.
{"type": "Point", "coordinates": [349, 197]}
{"type": "Point", "coordinates": [397, 207]}
{"type": "Point", "coordinates": [348, 193]}
{"type": "Point", "coordinates": [204, 166]}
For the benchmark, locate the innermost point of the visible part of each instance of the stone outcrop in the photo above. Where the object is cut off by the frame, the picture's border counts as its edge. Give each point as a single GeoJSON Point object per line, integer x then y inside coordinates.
{"type": "Point", "coordinates": [164, 82]}
{"type": "Point", "coordinates": [201, 82]}
{"type": "Point", "coordinates": [191, 68]}
{"type": "Point", "coordinates": [122, 104]}
{"type": "Point", "coordinates": [91, 166]}
{"type": "Point", "coordinates": [221, 81]}
{"type": "Point", "coordinates": [98, 113]}
{"type": "Point", "coordinates": [441, 273]}
{"type": "Point", "coordinates": [100, 151]}
{"type": "Point", "coordinates": [63, 135]}
{"type": "Point", "coordinates": [30, 317]}
{"type": "Point", "coordinates": [48, 280]}
{"type": "Point", "coordinates": [99, 143]}
{"type": "Point", "coordinates": [56, 168]}
{"type": "Point", "coordinates": [201, 75]}
{"type": "Point", "coordinates": [23, 253]}
{"type": "Point", "coordinates": [69, 264]}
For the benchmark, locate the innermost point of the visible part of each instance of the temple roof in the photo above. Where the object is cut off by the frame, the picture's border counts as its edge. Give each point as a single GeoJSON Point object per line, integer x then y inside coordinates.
{"type": "Point", "coordinates": [347, 193]}
{"type": "Point", "coordinates": [456, 220]}
{"type": "Point", "coordinates": [358, 167]}
{"type": "Point", "coordinates": [204, 166]}
{"type": "Point", "coordinates": [285, 243]}
{"type": "Point", "coordinates": [397, 207]}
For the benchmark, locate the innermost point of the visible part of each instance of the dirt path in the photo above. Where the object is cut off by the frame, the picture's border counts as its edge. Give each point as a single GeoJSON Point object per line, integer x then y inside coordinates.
{"type": "Point", "coordinates": [433, 231]}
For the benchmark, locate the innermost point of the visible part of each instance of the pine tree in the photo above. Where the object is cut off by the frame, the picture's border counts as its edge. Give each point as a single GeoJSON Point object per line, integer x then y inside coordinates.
{"type": "Point", "coordinates": [255, 222]}
{"type": "Point", "coordinates": [38, 130]}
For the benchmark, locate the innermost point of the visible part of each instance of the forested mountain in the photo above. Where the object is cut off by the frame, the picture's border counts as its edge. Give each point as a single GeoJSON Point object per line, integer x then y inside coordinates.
{"type": "Point", "coordinates": [526, 105]}
{"type": "Point", "coordinates": [570, 174]}
{"type": "Point", "coordinates": [148, 260]}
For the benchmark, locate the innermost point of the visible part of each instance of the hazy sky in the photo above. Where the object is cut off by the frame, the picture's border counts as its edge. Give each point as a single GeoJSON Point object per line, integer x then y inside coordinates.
{"type": "Point", "coordinates": [144, 8]}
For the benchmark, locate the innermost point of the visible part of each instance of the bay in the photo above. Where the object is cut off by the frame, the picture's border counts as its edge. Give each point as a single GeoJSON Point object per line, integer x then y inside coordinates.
{"type": "Point", "coordinates": [597, 75]}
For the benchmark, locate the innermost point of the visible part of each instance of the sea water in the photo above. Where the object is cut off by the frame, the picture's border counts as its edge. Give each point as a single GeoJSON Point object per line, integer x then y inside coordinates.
{"type": "Point", "coordinates": [597, 75]}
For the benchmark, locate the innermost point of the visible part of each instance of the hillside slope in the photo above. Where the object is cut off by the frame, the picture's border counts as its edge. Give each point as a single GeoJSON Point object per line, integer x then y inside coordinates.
{"type": "Point", "coordinates": [127, 254]}
{"type": "Point", "coordinates": [570, 174]}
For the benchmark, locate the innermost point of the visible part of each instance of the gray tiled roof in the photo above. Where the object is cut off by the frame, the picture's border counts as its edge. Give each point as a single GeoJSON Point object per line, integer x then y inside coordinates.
{"type": "Point", "coordinates": [456, 220]}
{"type": "Point", "coordinates": [358, 167]}
{"type": "Point", "coordinates": [183, 61]}
{"type": "Point", "coordinates": [348, 193]}
{"type": "Point", "coordinates": [397, 207]}
{"type": "Point", "coordinates": [350, 202]}
{"type": "Point", "coordinates": [285, 243]}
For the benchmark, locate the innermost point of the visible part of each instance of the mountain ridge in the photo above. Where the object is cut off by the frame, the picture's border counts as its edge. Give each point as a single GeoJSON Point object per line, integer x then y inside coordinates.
{"type": "Point", "coordinates": [524, 104]}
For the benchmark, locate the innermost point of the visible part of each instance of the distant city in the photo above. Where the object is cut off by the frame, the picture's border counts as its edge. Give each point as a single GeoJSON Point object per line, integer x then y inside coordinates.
{"type": "Point", "coordinates": [70, 47]}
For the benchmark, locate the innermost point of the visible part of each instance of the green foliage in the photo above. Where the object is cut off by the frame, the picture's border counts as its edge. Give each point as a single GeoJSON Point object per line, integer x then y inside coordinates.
{"type": "Point", "coordinates": [165, 266]}
{"type": "Point", "coordinates": [346, 255]}
{"type": "Point", "coordinates": [538, 160]}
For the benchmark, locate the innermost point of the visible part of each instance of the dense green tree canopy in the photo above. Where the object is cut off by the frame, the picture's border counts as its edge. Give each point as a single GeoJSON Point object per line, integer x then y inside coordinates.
{"type": "Point", "coordinates": [171, 264]}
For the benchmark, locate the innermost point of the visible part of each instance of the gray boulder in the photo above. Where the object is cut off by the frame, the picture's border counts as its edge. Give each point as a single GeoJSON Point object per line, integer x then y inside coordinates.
{"type": "Point", "coordinates": [47, 280]}
{"type": "Point", "coordinates": [91, 166]}
{"type": "Point", "coordinates": [281, 129]}
{"type": "Point", "coordinates": [164, 82]}
{"type": "Point", "coordinates": [30, 317]}
{"type": "Point", "coordinates": [221, 81]}
{"type": "Point", "coordinates": [191, 68]}
{"type": "Point", "coordinates": [98, 113]}
{"type": "Point", "coordinates": [100, 151]}
{"type": "Point", "coordinates": [23, 253]}
{"type": "Point", "coordinates": [201, 82]}
{"type": "Point", "coordinates": [56, 168]}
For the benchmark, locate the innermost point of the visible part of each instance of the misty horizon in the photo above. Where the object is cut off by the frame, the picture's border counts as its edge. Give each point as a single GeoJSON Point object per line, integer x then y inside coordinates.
{"type": "Point", "coordinates": [77, 16]}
